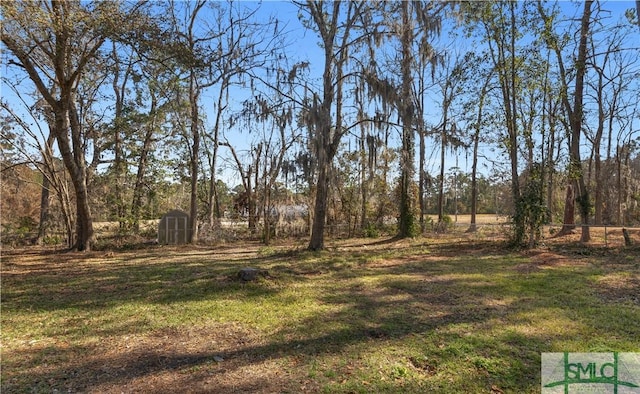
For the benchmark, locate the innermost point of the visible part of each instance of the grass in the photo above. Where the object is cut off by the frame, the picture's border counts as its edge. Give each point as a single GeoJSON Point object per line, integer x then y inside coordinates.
{"type": "Point", "coordinates": [428, 315]}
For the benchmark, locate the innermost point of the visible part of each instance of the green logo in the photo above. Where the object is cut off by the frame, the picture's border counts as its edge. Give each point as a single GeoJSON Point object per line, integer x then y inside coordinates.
{"type": "Point", "coordinates": [617, 373]}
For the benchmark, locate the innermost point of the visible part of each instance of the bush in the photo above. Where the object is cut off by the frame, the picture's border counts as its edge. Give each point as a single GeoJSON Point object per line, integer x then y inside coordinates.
{"type": "Point", "coordinates": [443, 226]}
{"type": "Point", "coordinates": [531, 210]}
{"type": "Point", "coordinates": [371, 231]}
{"type": "Point", "coordinates": [26, 224]}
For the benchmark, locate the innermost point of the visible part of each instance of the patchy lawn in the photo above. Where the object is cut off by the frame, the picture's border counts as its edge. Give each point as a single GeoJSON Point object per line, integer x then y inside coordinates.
{"type": "Point", "coordinates": [443, 314]}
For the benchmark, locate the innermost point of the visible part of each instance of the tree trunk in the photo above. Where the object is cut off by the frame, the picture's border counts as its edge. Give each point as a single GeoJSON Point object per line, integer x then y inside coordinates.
{"type": "Point", "coordinates": [195, 152]}
{"type": "Point", "coordinates": [251, 204]}
{"type": "Point", "coordinates": [363, 179]}
{"type": "Point", "coordinates": [443, 143]}
{"type": "Point", "coordinates": [266, 214]}
{"type": "Point", "coordinates": [405, 227]}
{"type": "Point", "coordinates": [502, 47]}
{"type": "Point", "coordinates": [213, 199]}
{"type": "Point", "coordinates": [585, 205]}
{"type": "Point", "coordinates": [568, 220]}
{"type": "Point", "coordinates": [474, 182]}
{"type": "Point", "coordinates": [326, 134]}
{"type": "Point", "coordinates": [322, 125]}
{"type": "Point", "coordinates": [59, 182]}
{"type": "Point", "coordinates": [512, 117]}
{"type": "Point", "coordinates": [67, 214]}
{"type": "Point", "coordinates": [73, 157]}
{"type": "Point", "coordinates": [320, 209]}
{"type": "Point", "coordinates": [44, 210]}
{"type": "Point", "coordinates": [214, 202]}
{"type": "Point", "coordinates": [139, 185]}
{"type": "Point", "coordinates": [597, 141]}
{"type": "Point", "coordinates": [621, 199]}
{"type": "Point", "coordinates": [550, 161]}
{"type": "Point", "coordinates": [576, 121]}
{"type": "Point", "coordinates": [575, 114]}
{"type": "Point", "coordinates": [45, 200]}
{"type": "Point", "coordinates": [627, 238]}
{"type": "Point", "coordinates": [422, 181]}
{"type": "Point", "coordinates": [142, 166]}
{"type": "Point", "coordinates": [213, 213]}
{"type": "Point", "coordinates": [474, 166]}
{"type": "Point", "coordinates": [84, 221]}
{"type": "Point", "coordinates": [119, 164]}
{"type": "Point", "coordinates": [599, 201]}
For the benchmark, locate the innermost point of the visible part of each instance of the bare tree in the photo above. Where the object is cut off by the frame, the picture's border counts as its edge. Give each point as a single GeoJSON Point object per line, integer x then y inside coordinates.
{"type": "Point", "coordinates": [452, 76]}
{"type": "Point", "coordinates": [502, 26]}
{"type": "Point", "coordinates": [475, 142]}
{"type": "Point", "coordinates": [575, 114]}
{"type": "Point", "coordinates": [214, 52]}
{"type": "Point", "coordinates": [614, 67]}
{"type": "Point", "coordinates": [35, 145]}
{"type": "Point", "coordinates": [413, 24]}
{"type": "Point", "coordinates": [55, 43]}
{"type": "Point", "coordinates": [334, 23]}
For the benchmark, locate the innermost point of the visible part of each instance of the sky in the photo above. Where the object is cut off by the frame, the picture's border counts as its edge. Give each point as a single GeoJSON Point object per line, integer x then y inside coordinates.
{"type": "Point", "coordinates": [304, 47]}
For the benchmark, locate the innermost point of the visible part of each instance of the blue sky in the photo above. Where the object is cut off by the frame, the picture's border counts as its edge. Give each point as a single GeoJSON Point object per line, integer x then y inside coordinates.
{"type": "Point", "coordinates": [304, 47]}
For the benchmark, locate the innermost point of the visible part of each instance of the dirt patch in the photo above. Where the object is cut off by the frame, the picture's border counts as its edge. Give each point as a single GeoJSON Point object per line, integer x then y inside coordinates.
{"type": "Point", "coordinates": [549, 259]}
{"type": "Point", "coordinates": [619, 288]}
{"type": "Point", "coordinates": [526, 268]}
{"type": "Point", "coordinates": [202, 359]}
{"type": "Point", "coordinates": [541, 259]}
{"type": "Point", "coordinates": [224, 358]}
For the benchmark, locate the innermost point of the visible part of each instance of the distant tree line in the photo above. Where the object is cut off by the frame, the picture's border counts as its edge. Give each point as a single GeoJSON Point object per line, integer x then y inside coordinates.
{"type": "Point", "coordinates": [121, 110]}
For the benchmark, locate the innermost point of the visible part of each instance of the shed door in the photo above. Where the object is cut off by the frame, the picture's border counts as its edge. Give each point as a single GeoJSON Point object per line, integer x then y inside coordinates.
{"type": "Point", "coordinates": [176, 230]}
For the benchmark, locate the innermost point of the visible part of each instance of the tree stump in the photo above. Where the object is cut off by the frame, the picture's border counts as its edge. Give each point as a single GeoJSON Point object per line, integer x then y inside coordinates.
{"type": "Point", "coordinates": [627, 238]}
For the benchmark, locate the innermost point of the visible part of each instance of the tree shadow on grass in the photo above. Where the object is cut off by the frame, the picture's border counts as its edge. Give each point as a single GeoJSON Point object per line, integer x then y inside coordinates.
{"type": "Point", "coordinates": [481, 317]}
{"type": "Point", "coordinates": [50, 282]}
{"type": "Point", "coordinates": [366, 320]}
{"type": "Point", "coordinates": [139, 369]}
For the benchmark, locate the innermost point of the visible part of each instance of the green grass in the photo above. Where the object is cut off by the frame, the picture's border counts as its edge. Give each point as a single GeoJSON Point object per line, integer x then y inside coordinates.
{"type": "Point", "coordinates": [417, 316]}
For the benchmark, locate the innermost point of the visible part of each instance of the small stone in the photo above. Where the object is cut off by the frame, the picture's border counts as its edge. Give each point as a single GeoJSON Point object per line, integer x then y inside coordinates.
{"type": "Point", "coordinates": [248, 274]}
{"type": "Point", "coordinates": [218, 359]}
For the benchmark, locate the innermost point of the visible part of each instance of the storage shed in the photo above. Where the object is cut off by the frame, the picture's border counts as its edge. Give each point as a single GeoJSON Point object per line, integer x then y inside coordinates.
{"type": "Point", "coordinates": [174, 228]}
